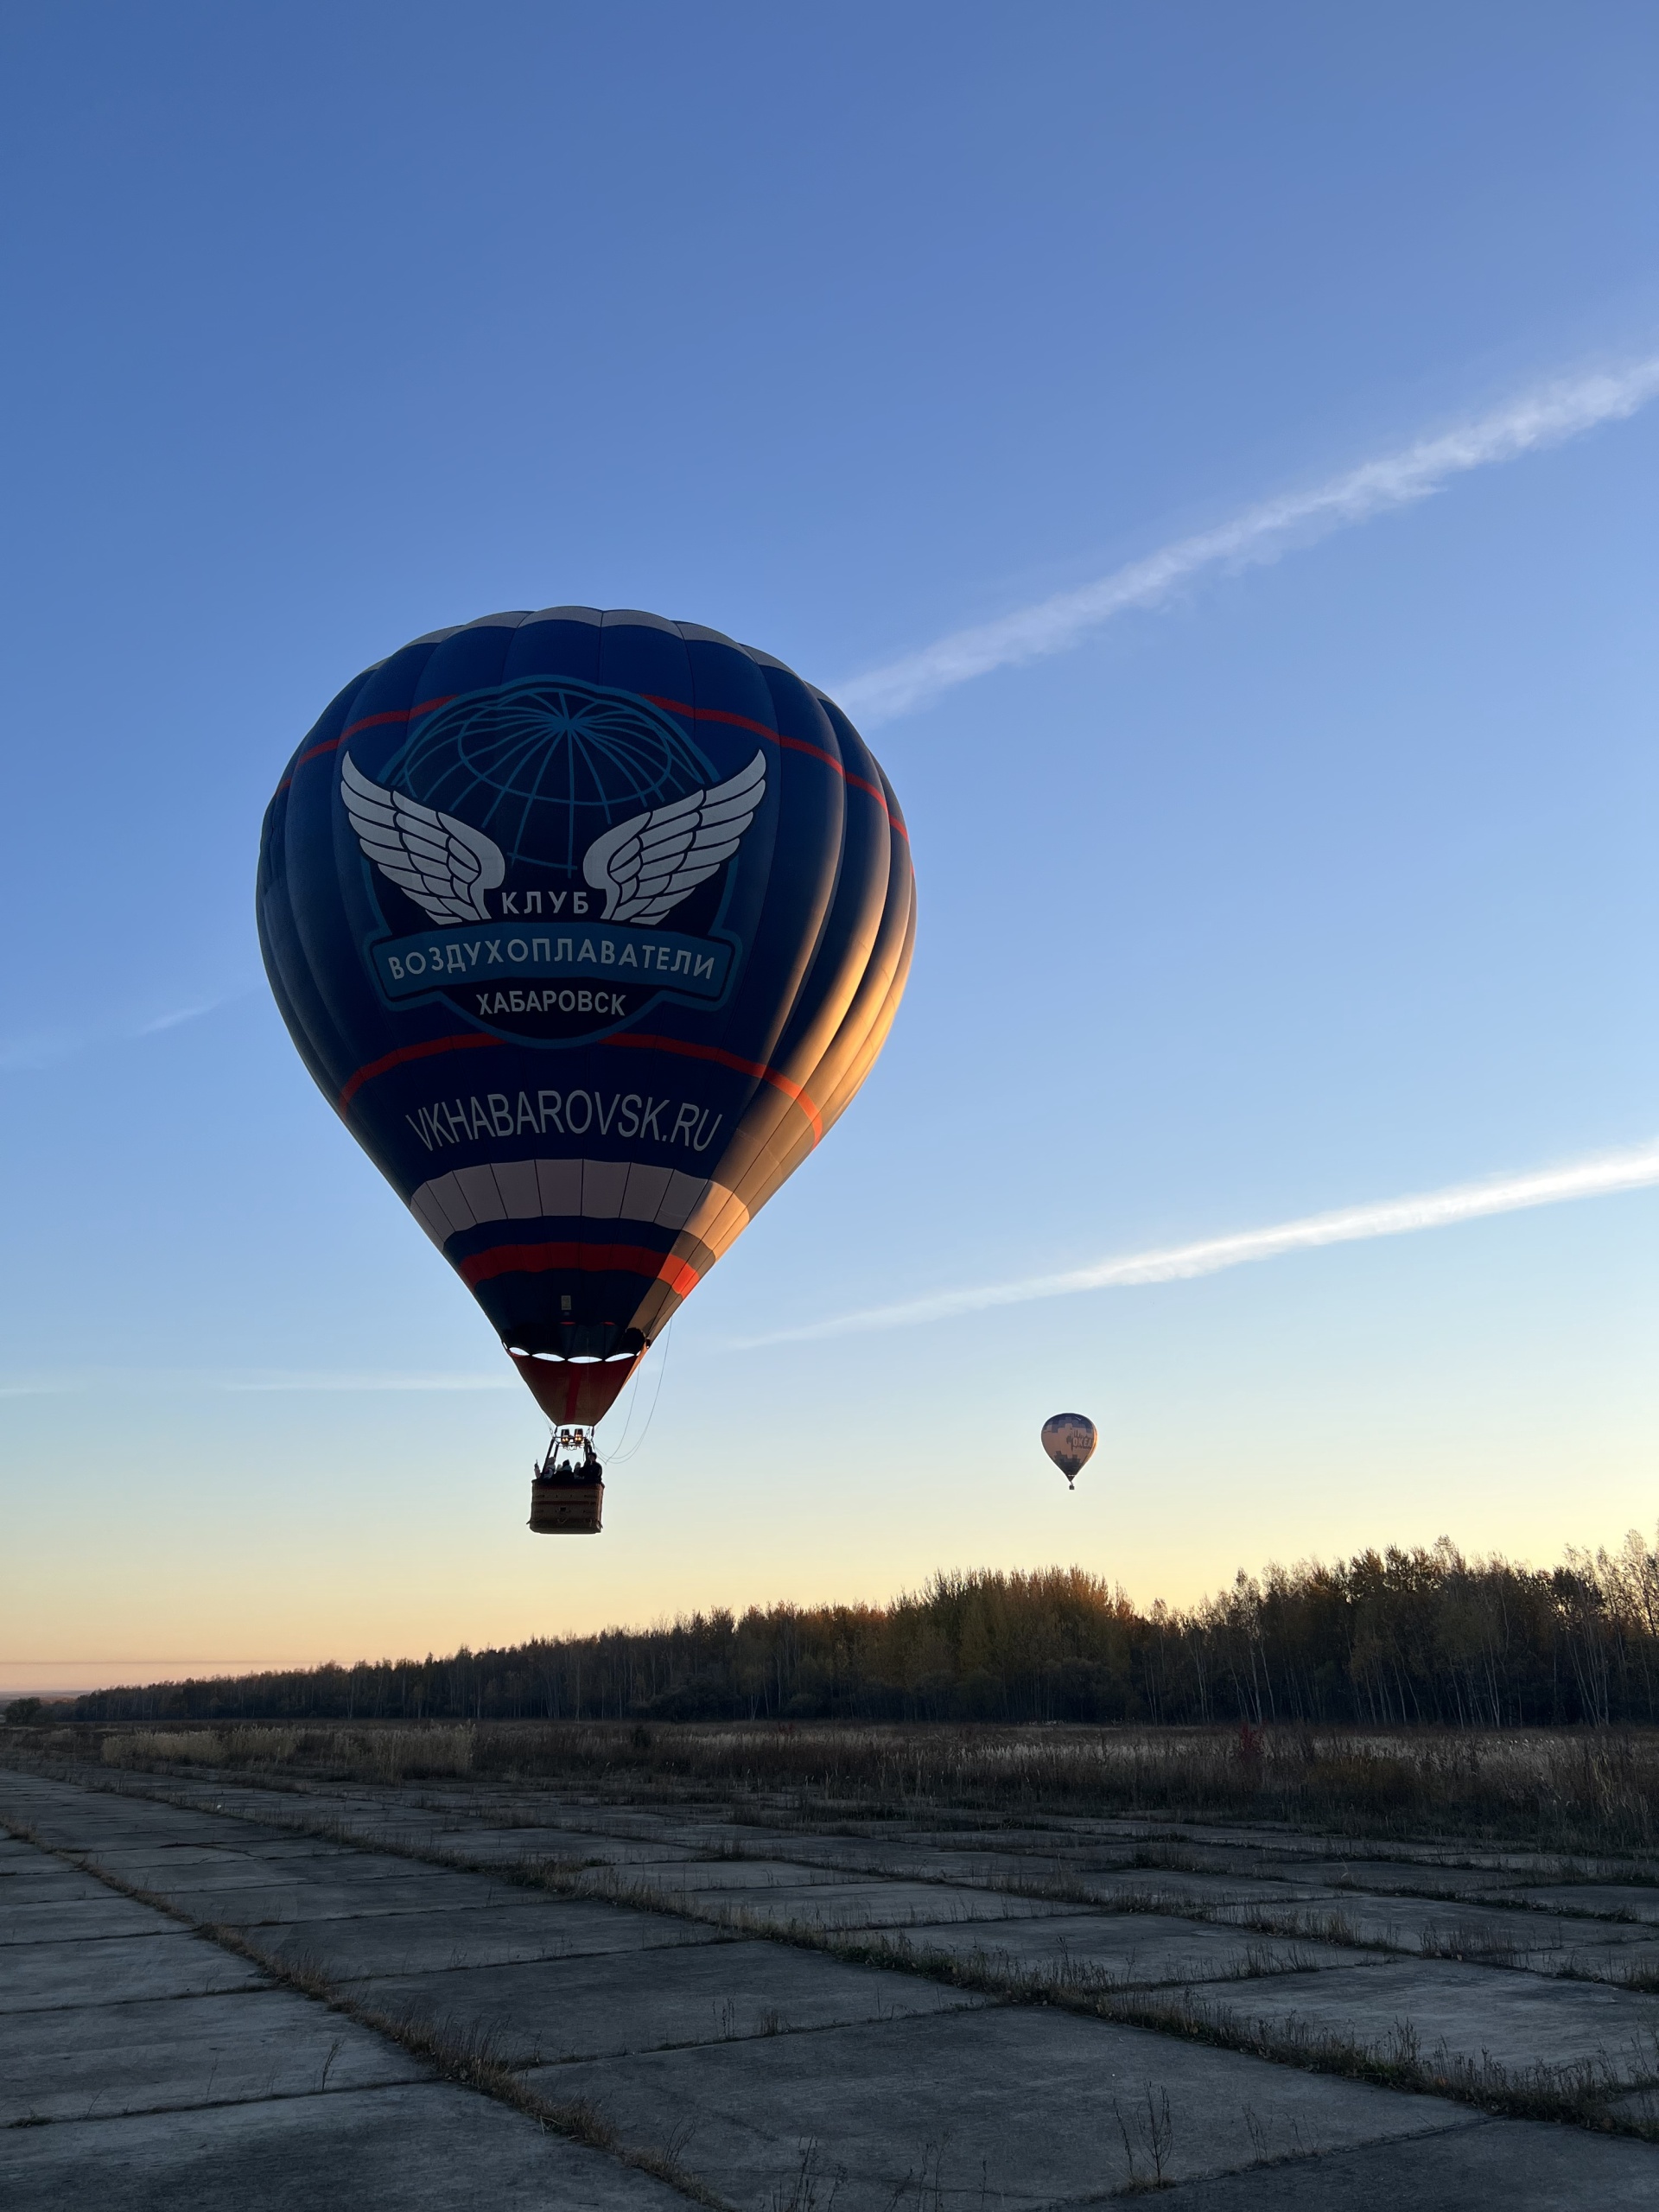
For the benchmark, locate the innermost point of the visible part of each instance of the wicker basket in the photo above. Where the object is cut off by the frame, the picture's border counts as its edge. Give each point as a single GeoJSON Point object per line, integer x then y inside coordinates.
{"type": "Point", "coordinates": [566, 1508]}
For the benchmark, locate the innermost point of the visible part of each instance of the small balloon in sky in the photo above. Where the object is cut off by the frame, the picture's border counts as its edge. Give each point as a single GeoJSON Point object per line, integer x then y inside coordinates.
{"type": "Point", "coordinates": [589, 926]}
{"type": "Point", "coordinates": [1069, 1441]}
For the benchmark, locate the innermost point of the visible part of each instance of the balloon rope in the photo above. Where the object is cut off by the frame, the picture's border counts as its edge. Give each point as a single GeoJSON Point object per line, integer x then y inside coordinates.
{"type": "Point", "coordinates": [624, 1452]}
{"type": "Point", "coordinates": [627, 1426]}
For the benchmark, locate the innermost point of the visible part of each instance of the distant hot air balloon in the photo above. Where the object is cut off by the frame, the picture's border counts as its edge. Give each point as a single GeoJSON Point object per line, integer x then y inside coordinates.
{"type": "Point", "coordinates": [589, 926]}
{"type": "Point", "coordinates": [1069, 1441]}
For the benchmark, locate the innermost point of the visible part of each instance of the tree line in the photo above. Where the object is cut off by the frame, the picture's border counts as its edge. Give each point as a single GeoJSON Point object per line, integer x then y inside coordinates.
{"type": "Point", "coordinates": [1396, 1637]}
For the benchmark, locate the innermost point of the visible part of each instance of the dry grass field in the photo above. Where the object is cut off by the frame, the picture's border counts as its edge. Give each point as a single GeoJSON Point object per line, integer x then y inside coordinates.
{"type": "Point", "coordinates": [1572, 1789]}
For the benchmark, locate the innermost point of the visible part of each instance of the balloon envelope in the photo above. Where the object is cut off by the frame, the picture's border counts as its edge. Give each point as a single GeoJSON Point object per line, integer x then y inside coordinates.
{"type": "Point", "coordinates": [1069, 1441]}
{"type": "Point", "coordinates": [589, 926]}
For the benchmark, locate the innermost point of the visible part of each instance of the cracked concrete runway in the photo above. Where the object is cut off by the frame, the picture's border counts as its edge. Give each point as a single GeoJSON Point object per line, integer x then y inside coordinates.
{"type": "Point", "coordinates": [217, 1993]}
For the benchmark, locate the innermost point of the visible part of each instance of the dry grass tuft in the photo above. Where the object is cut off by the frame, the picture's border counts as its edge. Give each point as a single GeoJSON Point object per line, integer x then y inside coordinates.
{"type": "Point", "coordinates": [382, 1755]}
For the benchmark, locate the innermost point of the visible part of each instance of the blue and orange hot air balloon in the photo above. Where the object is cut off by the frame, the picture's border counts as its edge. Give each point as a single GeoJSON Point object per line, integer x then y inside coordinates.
{"type": "Point", "coordinates": [590, 925]}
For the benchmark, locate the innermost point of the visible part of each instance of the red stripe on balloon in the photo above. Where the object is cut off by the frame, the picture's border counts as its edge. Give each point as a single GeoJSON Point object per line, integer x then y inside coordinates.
{"type": "Point", "coordinates": [681, 1046]}
{"type": "Point", "coordinates": [398, 715]}
{"type": "Point", "coordinates": [369, 721]}
{"type": "Point", "coordinates": [423, 1052]}
{"type": "Point", "coordinates": [787, 1085]}
{"type": "Point", "coordinates": [792, 744]}
{"type": "Point", "coordinates": [581, 1259]}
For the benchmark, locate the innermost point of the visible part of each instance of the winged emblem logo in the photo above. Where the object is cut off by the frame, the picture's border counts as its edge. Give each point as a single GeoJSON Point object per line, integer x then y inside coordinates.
{"type": "Point", "coordinates": [644, 866]}
{"type": "Point", "coordinates": [445, 865]}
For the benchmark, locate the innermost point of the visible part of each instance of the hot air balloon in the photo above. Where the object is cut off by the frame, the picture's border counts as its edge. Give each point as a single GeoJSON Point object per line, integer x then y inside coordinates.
{"type": "Point", "coordinates": [589, 926]}
{"type": "Point", "coordinates": [1069, 1441]}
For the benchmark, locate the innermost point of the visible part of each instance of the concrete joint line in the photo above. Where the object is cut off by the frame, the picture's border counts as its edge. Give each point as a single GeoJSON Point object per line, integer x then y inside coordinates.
{"type": "Point", "coordinates": [469, 2062]}
{"type": "Point", "coordinates": [1578, 2095]}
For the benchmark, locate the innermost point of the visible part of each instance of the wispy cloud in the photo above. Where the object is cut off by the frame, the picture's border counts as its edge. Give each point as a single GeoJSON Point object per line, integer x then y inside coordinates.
{"type": "Point", "coordinates": [177, 1015]}
{"type": "Point", "coordinates": [1632, 1169]}
{"type": "Point", "coordinates": [45, 1048]}
{"type": "Point", "coordinates": [1547, 415]}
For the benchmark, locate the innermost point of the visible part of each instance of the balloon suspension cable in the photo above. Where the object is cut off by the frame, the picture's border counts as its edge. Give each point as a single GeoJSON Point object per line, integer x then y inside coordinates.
{"type": "Point", "coordinates": [624, 1450]}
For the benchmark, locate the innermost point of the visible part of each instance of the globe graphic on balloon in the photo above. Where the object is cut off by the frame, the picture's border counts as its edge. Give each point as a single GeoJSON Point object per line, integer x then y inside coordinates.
{"type": "Point", "coordinates": [546, 765]}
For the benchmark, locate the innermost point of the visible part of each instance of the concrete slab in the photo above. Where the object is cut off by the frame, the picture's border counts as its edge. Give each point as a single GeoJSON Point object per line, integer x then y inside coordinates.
{"type": "Point", "coordinates": [1521, 2165]}
{"type": "Point", "coordinates": [96, 1804]}
{"type": "Point", "coordinates": [345, 1895]}
{"type": "Point", "coordinates": [79, 2061]}
{"type": "Point", "coordinates": [78, 1919]}
{"type": "Point", "coordinates": [252, 1856]}
{"type": "Point", "coordinates": [444, 1941]}
{"type": "Point", "coordinates": [422, 2148]}
{"type": "Point", "coordinates": [1017, 2099]}
{"type": "Point", "coordinates": [63, 1825]}
{"type": "Point", "coordinates": [187, 1879]}
{"type": "Point", "coordinates": [46, 1882]}
{"type": "Point", "coordinates": [1011, 2106]}
{"type": "Point", "coordinates": [170, 1962]}
{"type": "Point", "coordinates": [1520, 2019]}
{"type": "Point", "coordinates": [648, 2001]}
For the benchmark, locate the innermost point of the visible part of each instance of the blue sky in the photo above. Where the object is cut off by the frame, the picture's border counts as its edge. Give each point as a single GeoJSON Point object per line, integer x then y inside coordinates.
{"type": "Point", "coordinates": [1311, 882]}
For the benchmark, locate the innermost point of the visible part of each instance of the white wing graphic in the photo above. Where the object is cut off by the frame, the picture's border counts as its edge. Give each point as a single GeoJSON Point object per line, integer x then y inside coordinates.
{"type": "Point", "coordinates": [445, 867]}
{"type": "Point", "coordinates": [649, 864]}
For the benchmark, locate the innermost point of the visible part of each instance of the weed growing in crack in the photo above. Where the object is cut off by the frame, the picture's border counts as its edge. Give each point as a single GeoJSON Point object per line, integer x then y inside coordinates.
{"type": "Point", "coordinates": [1151, 2126]}
{"type": "Point", "coordinates": [677, 2139]}
{"type": "Point", "coordinates": [807, 2188]}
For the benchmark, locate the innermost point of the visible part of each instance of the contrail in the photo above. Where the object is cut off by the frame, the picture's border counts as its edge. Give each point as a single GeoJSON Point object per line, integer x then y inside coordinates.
{"type": "Point", "coordinates": [1547, 415]}
{"type": "Point", "coordinates": [1630, 1170]}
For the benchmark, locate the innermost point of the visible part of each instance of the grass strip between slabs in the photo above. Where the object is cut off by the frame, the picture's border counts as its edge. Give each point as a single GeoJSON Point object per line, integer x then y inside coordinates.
{"type": "Point", "coordinates": [466, 2055]}
{"type": "Point", "coordinates": [1293, 1925]}
{"type": "Point", "coordinates": [1578, 2094]}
